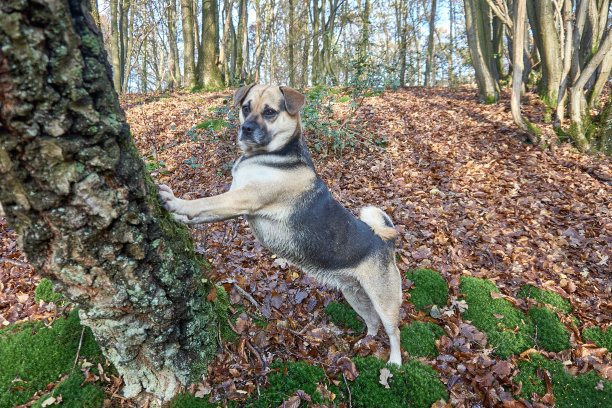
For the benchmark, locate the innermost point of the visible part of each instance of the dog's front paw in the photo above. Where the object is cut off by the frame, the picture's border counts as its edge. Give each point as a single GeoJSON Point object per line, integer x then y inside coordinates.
{"type": "Point", "coordinates": [169, 201]}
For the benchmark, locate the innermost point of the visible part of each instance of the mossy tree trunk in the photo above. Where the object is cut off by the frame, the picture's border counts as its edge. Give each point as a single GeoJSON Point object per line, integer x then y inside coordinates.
{"type": "Point", "coordinates": [88, 216]}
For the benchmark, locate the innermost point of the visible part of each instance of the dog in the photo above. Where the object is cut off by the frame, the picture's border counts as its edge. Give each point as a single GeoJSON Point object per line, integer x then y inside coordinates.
{"type": "Point", "coordinates": [293, 214]}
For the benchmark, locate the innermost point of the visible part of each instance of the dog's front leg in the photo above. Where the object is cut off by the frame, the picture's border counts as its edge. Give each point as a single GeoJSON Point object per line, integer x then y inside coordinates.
{"type": "Point", "coordinates": [217, 208]}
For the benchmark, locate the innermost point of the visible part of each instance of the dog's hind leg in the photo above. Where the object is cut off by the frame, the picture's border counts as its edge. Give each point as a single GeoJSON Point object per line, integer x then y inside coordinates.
{"type": "Point", "coordinates": [386, 296]}
{"type": "Point", "coordinates": [360, 302]}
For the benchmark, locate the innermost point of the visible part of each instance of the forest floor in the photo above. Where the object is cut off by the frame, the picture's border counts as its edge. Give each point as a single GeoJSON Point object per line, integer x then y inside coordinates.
{"type": "Point", "coordinates": [469, 198]}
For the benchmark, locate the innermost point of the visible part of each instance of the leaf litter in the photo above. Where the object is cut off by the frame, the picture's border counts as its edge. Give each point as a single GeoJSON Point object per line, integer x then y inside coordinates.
{"type": "Point", "coordinates": [467, 195]}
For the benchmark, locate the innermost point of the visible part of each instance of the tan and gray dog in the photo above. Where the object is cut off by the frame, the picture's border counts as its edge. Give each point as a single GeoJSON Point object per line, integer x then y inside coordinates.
{"type": "Point", "coordinates": [292, 213]}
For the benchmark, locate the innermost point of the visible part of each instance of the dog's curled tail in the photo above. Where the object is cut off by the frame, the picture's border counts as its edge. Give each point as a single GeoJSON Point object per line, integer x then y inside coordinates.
{"type": "Point", "coordinates": [379, 222]}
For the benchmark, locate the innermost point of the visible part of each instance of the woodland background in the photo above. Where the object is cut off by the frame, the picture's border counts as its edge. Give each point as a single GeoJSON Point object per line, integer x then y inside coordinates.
{"type": "Point", "coordinates": [489, 157]}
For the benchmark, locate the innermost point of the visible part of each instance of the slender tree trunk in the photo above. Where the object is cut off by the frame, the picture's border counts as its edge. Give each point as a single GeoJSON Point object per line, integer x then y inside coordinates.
{"type": "Point", "coordinates": [128, 38]}
{"type": "Point", "coordinates": [210, 74]}
{"type": "Point", "coordinates": [291, 45]}
{"type": "Point", "coordinates": [567, 62]}
{"type": "Point", "coordinates": [175, 71]}
{"type": "Point", "coordinates": [87, 214]}
{"type": "Point", "coordinates": [541, 18]}
{"type": "Point", "coordinates": [306, 49]}
{"type": "Point", "coordinates": [518, 24]}
{"type": "Point", "coordinates": [95, 14]}
{"type": "Point", "coordinates": [143, 68]}
{"type": "Point", "coordinates": [479, 41]}
{"type": "Point", "coordinates": [235, 49]}
{"type": "Point", "coordinates": [430, 43]}
{"type": "Point", "coordinates": [315, 42]}
{"type": "Point", "coordinates": [605, 133]}
{"type": "Point", "coordinates": [576, 100]}
{"type": "Point", "coordinates": [401, 13]}
{"type": "Point", "coordinates": [115, 48]}
{"type": "Point", "coordinates": [188, 46]}
{"type": "Point", "coordinates": [451, 42]}
{"type": "Point", "coordinates": [224, 54]}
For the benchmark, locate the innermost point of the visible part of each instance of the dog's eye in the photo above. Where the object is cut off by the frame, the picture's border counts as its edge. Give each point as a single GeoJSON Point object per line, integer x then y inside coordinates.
{"type": "Point", "coordinates": [246, 109]}
{"type": "Point", "coordinates": [269, 112]}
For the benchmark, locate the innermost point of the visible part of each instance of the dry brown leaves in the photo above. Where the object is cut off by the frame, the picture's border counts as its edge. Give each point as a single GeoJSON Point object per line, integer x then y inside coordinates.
{"type": "Point", "coordinates": [467, 195]}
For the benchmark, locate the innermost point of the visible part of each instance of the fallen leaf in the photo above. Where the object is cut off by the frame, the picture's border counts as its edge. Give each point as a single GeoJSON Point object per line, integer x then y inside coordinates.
{"type": "Point", "coordinates": [384, 377]}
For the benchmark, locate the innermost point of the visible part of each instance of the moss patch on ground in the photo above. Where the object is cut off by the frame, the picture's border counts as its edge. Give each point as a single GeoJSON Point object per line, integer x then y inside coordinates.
{"type": "Point", "coordinates": [290, 377]}
{"type": "Point", "coordinates": [546, 297]}
{"type": "Point", "coordinates": [39, 356]}
{"type": "Point", "coordinates": [74, 395]}
{"type": "Point", "coordinates": [418, 338]}
{"type": "Point", "coordinates": [413, 385]}
{"type": "Point", "coordinates": [430, 288]}
{"type": "Point", "coordinates": [508, 329]}
{"type": "Point", "coordinates": [599, 337]}
{"type": "Point", "coordinates": [586, 390]}
{"type": "Point", "coordinates": [342, 315]}
{"type": "Point", "coordinates": [187, 400]}
{"type": "Point", "coordinates": [550, 333]}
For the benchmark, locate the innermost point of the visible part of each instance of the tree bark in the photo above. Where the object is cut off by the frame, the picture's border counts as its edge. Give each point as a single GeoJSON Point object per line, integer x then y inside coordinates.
{"type": "Point", "coordinates": [188, 45]}
{"type": "Point", "coordinates": [87, 214]}
{"type": "Point", "coordinates": [115, 52]}
{"type": "Point", "coordinates": [291, 45]}
{"type": "Point", "coordinates": [518, 23]}
{"type": "Point", "coordinates": [541, 18]}
{"type": "Point", "coordinates": [175, 70]}
{"type": "Point", "coordinates": [210, 75]}
{"type": "Point", "coordinates": [479, 41]}
{"type": "Point", "coordinates": [430, 43]}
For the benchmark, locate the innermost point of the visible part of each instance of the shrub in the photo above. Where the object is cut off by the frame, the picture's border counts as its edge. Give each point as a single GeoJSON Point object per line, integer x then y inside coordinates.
{"type": "Point", "coordinates": [497, 317]}
{"type": "Point", "coordinates": [413, 385]}
{"type": "Point", "coordinates": [429, 288]}
{"type": "Point", "coordinates": [419, 337]}
{"type": "Point", "coordinates": [546, 297]}
{"type": "Point", "coordinates": [569, 391]}
{"type": "Point", "coordinates": [342, 315]}
{"type": "Point", "coordinates": [44, 291]}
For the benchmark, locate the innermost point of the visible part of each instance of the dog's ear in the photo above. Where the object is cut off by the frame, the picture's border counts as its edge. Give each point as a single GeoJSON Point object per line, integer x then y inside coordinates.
{"type": "Point", "coordinates": [241, 93]}
{"type": "Point", "coordinates": [294, 101]}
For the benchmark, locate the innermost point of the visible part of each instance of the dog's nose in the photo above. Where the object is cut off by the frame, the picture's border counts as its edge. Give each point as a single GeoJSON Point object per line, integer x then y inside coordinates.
{"type": "Point", "coordinates": [248, 128]}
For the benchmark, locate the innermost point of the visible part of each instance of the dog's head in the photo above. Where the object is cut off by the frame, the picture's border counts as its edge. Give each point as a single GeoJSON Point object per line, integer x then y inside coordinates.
{"type": "Point", "coordinates": [269, 116]}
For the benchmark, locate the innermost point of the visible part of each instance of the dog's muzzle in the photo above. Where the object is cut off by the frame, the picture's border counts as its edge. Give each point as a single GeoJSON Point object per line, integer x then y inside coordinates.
{"type": "Point", "coordinates": [252, 133]}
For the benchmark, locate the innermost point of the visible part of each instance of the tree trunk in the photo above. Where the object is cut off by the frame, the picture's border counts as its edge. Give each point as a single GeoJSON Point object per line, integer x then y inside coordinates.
{"type": "Point", "coordinates": [95, 13]}
{"type": "Point", "coordinates": [605, 132]}
{"type": "Point", "coordinates": [479, 40]}
{"type": "Point", "coordinates": [291, 45]}
{"type": "Point", "coordinates": [87, 214]}
{"type": "Point", "coordinates": [542, 20]}
{"type": "Point", "coordinates": [315, 42]}
{"type": "Point", "coordinates": [430, 43]}
{"type": "Point", "coordinates": [175, 70]}
{"type": "Point", "coordinates": [188, 51]}
{"type": "Point", "coordinates": [115, 48]}
{"type": "Point", "coordinates": [576, 93]}
{"type": "Point", "coordinates": [518, 24]}
{"type": "Point", "coordinates": [210, 75]}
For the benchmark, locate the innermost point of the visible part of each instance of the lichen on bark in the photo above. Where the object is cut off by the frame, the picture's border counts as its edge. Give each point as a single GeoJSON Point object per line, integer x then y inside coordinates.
{"type": "Point", "coordinates": [87, 214]}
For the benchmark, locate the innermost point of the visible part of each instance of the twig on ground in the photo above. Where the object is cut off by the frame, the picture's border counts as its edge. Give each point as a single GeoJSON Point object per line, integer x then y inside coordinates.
{"type": "Point", "coordinates": [14, 262]}
{"type": "Point", "coordinates": [78, 350]}
{"type": "Point", "coordinates": [349, 391]}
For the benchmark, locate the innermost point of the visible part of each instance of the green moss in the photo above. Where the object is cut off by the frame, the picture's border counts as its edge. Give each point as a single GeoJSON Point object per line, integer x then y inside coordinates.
{"type": "Point", "coordinates": [212, 124]}
{"type": "Point", "coordinates": [546, 297]}
{"type": "Point", "coordinates": [418, 338]}
{"type": "Point", "coordinates": [569, 391]}
{"type": "Point", "coordinates": [39, 355]}
{"type": "Point", "coordinates": [186, 400]}
{"type": "Point", "coordinates": [551, 334]}
{"type": "Point", "coordinates": [342, 315]}
{"type": "Point", "coordinates": [429, 288]}
{"type": "Point", "coordinates": [91, 42]}
{"type": "Point", "coordinates": [44, 291]}
{"type": "Point", "coordinates": [497, 317]}
{"type": "Point", "coordinates": [287, 379]}
{"type": "Point", "coordinates": [74, 395]}
{"type": "Point", "coordinates": [222, 313]}
{"type": "Point", "coordinates": [599, 337]}
{"type": "Point", "coordinates": [413, 385]}
{"type": "Point", "coordinates": [343, 99]}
